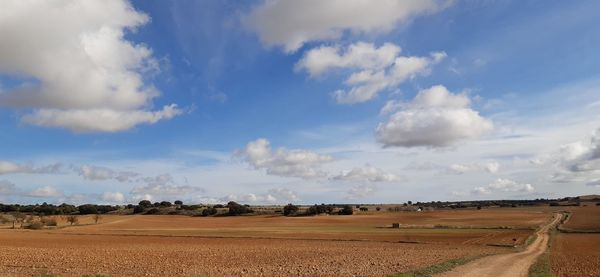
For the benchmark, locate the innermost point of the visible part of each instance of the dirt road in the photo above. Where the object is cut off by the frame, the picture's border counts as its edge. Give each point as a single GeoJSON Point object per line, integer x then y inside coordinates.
{"type": "Point", "coordinates": [513, 264]}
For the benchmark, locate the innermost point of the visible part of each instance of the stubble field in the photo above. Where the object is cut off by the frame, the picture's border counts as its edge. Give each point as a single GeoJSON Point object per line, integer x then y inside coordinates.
{"type": "Point", "coordinates": [360, 245]}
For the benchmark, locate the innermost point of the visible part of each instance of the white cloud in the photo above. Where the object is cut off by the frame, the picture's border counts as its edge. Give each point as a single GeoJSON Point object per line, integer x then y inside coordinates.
{"type": "Point", "coordinates": [374, 69]}
{"type": "Point", "coordinates": [8, 167]}
{"type": "Point", "coordinates": [293, 23]}
{"type": "Point", "coordinates": [283, 162]}
{"type": "Point", "coordinates": [360, 191]}
{"type": "Point", "coordinates": [98, 120]}
{"type": "Point", "coordinates": [113, 197]}
{"type": "Point", "coordinates": [163, 187]}
{"type": "Point", "coordinates": [367, 173]}
{"type": "Point", "coordinates": [44, 192]}
{"type": "Point", "coordinates": [85, 75]}
{"type": "Point", "coordinates": [273, 196]}
{"type": "Point", "coordinates": [578, 161]}
{"type": "Point", "coordinates": [491, 167]}
{"type": "Point", "coordinates": [97, 173]}
{"type": "Point", "coordinates": [435, 118]}
{"type": "Point", "coordinates": [503, 185]}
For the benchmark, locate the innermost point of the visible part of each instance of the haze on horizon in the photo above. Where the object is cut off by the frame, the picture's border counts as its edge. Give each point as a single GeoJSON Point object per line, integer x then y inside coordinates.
{"type": "Point", "coordinates": [272, 102]}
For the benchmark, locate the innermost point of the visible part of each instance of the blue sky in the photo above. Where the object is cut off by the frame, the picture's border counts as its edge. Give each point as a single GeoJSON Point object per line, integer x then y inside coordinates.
{"type": "Point", "coordinates": [274, 102]}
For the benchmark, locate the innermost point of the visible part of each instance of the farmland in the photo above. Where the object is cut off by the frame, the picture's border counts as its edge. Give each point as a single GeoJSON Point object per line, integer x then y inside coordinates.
{"type": "Point", "coordinates": [575, 255]}
{"type": "Point", "coordinates": [364, 245]}
{"type": "Point", "coordinates": [574, 251]}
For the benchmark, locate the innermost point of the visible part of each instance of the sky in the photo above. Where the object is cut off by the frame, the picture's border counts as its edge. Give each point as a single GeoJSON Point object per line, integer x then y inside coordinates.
{"type": "Point", "coordinates": [275, 102]}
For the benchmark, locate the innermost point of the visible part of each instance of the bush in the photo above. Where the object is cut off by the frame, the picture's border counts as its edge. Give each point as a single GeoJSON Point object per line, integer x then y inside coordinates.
{"type": "Point", "coordinates": [145, 203]}
{"type": "Point", "coordinates": [49, 221]}
{"type": "Point", "coordinates": [138, 209]}
{"type": "Point", "coordinates": [153, 211]}
{"type": "Point", "coordinates": [73, 219]}
{"type": "Point", "coordinates": [290, 209]}
{"type": "Point", "coordinates": [346, 210]}
{"type": "Point", "coordinates": [237, 209]}
{"type": "Point", "coordinates": [36, 225]}
{"type": "Point", "coordinates": [378, 208]}
{"type": "Point", "coordinates": [209, 211]}
{"type": "Point", "coordinates": [320, 209]}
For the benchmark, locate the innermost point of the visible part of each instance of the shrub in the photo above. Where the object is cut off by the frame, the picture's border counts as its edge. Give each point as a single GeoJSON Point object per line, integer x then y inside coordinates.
{"type": "Point", "coordinates": [4, 219]}
{"type": "Point", "coordinates": [145, 203]}
{"type": "Point", "coordinates": [209, 211]}
{"type": "Point", "coordinates": [290, 209]}
{"type": "Point", "coordinates": [378, 208]}
{"type": "Point", "coordinates": [138, 209]}
{"type": "Point", "coordinates": [237, 209]}
{"type": "Point", "coordinates": [49, 221]}
{"type": "Point", "coordinates": [73, 219]}
{"type": "Point", "coordinates": [153, 211]}
{"type": "Point", "coordinates": [346, 210]}
{"type": "Point", "coordinates": [36, 225]}
{"type": "Point", "coordinates": [165, 204]}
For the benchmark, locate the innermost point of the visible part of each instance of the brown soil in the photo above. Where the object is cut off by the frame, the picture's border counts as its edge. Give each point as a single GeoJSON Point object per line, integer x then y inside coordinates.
{"type": "Point", "coordinates": [584, 219]}
{"type": "Point", "coordinates": [575, 255]}
{"type": "Point", "coordinates": [509, 265]}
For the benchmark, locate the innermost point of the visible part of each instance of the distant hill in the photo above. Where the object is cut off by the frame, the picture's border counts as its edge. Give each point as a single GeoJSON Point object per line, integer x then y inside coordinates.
{"type": "Point", "coordinates": [590, 197]}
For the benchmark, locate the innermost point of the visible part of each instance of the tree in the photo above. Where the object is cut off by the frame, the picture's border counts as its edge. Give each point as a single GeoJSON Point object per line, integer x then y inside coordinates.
{"type": "Point", "coordinates": [178, 202]}
{"type": "Point", "coordinates": [237, 209]}
{"type": "Point", "coordinates": [165, 204]}
{"type": "Point", "coordinates": [73, 219]}
{"type": "Point", "coordinates": [290, 209]}
{"type": "Point", "coordinates": [346, 210]}
{"type": "Point", "coordinates": [145, 203]}
{"type": "Point", "coordinates": [209, 211]}
{"type": "Point", "coordinates": [97, 218]}
{"type": "Point", "coordinates": [138, 209]}
{"type": "Point", "coordinates": [88, 209]}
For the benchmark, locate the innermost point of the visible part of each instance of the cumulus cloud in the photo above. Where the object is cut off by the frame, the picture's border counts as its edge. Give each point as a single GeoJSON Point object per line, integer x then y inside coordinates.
{"type": "Point", "coordinates": [113, 197]}
{"type": "Point", "coordinates": [491, 167]}
{"type": "Point", "coordinates": [77, 69]}
{"type": "Point", "coordinates": [435, 118]}
{"type": "Point", "coordinates": [291, 24]}
{"type": "Point", "coordinates": [503, 185]}
{"type": "Point", "coordinates": [360, 191]}
{"type": "Point", "coordinates": [44, 192]}
{"type": "Point", "coordinates": [273, 196]}
{"type": "Point", "coordinates": [97, 173]}
{"type": "Point", "coordinates": [8, 167]}
{"type": "Point", "coordinates": [162, 186]}
{"type": "Point", "coordinates": [373, 69]}
{"type": "Point", "coordinates": [283, 162]}
{"type": "Point", "coordinates": [98, 120]}
{"type": "Point", "coordinates": [578, 161]}
{"type": "Point", "coordinates": [366, 174]}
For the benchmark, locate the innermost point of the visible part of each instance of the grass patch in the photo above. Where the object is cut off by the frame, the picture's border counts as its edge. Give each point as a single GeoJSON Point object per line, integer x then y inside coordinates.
{"type": "Point", "coordinates": [438, 268]}
{"type": "Point", "coordinates": [541, 268]}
